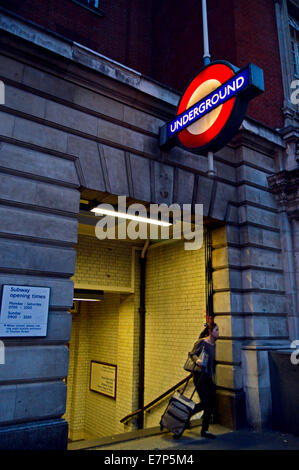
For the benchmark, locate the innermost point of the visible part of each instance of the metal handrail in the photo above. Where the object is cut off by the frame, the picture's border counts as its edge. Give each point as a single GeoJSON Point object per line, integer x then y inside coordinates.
{"type": "Point", "coordinates": [153, 402]}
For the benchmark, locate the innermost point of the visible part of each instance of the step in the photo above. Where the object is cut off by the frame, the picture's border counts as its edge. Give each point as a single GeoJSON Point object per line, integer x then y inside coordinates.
{"type": "Point", "coordinates": [118, 438]}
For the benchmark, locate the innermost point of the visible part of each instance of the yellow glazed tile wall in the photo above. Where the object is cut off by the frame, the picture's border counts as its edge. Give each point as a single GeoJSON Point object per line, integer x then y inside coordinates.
{"type": "Point", "coordinates": [109, 332]}
{"type": "Point", "coordinates": [175, 315]}
{"type": "Point", "coordinates": [102, 263]}
{"type": "Point", "coordinates": [102, 331]}
{"type": "Point", "coordinates": [127, 390]}
{"type": "Point", "coordinates": [128, 354]}
{"type": "Point", "coordinates": [94, 338]}
{"type": "Point", "coordinates": [77, 375]}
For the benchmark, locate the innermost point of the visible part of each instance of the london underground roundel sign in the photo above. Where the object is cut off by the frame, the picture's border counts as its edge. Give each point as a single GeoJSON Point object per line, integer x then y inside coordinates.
{"type": "Point", "coordinates": [212, 107]}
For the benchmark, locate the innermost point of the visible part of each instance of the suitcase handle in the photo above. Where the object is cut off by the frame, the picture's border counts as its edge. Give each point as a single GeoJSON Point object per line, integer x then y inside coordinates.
{"type": "Point", "coordinates": [187, 382]}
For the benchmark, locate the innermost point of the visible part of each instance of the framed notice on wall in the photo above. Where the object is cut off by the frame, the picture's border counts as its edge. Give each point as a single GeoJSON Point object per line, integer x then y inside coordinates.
{"type": "Point", "coordinates": [24, 311]}
{"type": "Point", "coordinates": [103, 378]}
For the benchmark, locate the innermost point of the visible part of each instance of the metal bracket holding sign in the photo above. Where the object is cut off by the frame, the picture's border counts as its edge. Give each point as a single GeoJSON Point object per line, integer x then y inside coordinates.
{"type": "Point", "coordinates": [212, 107]}
{"type": "Point", "coordinates": [24, 311]}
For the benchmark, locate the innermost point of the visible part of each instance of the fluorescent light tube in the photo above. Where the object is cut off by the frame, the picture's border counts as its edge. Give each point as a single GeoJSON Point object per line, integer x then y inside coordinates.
{"type": "Point", "coordinates": [122, 215]}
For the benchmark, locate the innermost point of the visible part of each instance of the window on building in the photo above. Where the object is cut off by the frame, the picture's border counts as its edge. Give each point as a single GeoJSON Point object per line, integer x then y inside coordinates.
{"type": "Point", "coordinates": [93, 5]}
{"type": "Point", "coordinates": [294, 35]}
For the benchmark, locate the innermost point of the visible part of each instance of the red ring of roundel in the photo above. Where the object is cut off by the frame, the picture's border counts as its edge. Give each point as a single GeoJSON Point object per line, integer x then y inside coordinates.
{"type": "Point", "coordinates": [222, 73]}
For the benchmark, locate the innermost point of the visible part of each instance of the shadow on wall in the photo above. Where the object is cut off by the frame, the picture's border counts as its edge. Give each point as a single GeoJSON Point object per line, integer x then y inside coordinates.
{"type": "Point", "coordinates": [285, 392]}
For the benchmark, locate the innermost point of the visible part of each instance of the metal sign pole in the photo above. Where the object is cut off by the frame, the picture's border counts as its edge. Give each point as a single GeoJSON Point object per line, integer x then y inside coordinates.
{"type": "Point", "coordinates": [206, 55]}
{"type": "Point", "coordinates": [206, 61]}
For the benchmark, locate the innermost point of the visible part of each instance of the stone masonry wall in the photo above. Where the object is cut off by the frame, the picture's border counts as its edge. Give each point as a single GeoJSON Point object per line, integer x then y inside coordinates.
{"type": "Point", "coordinates": [249, 299]}
{"type": "Point", "coordinates": [73, 120]}
{"type": "Point", "coordinates": [39, 203]}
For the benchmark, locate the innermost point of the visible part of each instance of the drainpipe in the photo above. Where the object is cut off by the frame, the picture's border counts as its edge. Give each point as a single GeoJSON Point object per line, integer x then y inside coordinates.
{"type": "Point", "coordinates": [287, 232]}
{"type": "Point", "coordinates": [209, 273]}
{"type": "Point", "coordinates": [142, 334]}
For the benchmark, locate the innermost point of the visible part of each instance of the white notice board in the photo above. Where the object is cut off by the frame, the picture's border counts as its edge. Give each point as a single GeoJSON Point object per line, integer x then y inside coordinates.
{"type": "Point", "coordinates": [24, 311]}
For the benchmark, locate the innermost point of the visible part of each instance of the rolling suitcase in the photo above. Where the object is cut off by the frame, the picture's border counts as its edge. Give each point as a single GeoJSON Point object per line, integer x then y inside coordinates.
{"type": "Point", "coordinates": [178, 413]}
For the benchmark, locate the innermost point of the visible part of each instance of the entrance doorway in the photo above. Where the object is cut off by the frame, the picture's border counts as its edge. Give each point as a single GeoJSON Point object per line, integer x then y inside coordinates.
{"type": "Point", "coordinates": [106, 332]}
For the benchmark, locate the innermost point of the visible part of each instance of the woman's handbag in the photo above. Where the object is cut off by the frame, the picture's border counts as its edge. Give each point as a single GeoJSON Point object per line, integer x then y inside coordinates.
{"type": "Point", "coordinates": [191, 366]}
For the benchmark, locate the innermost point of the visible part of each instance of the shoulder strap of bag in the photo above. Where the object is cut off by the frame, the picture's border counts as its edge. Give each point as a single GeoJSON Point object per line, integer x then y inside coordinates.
{"type": "Point", "coordinates": [199, 344]}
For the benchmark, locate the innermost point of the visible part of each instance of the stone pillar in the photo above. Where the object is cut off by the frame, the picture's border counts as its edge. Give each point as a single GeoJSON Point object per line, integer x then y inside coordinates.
{"type": "Point", "coordinates": [261, 293]}
{"type": "Point", "coordinates": [284, 185]}
{"type": "Point", "coordinates": [295, 232]}
{"type": "Point", "coordinates": [38, 207]}
{"type": "Point", "coordinates": [230, 394]}
{"type": "Point", "coordinates": [250, 293]}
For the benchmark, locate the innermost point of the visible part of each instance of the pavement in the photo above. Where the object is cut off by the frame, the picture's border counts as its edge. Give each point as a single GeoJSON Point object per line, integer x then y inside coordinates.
{"type": "Point", "coordinates": [226, 439]}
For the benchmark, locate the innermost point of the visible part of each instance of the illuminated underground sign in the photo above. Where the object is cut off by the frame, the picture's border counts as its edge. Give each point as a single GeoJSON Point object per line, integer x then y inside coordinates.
{"type": "Point", "coordinates": [210, 102]}
{"type": "Point", "coordinates": [212, 107]}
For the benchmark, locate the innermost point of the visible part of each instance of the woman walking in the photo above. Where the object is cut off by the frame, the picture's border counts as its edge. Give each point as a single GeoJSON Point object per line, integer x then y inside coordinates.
{"type": "Point", "coordinates": [203, 375]}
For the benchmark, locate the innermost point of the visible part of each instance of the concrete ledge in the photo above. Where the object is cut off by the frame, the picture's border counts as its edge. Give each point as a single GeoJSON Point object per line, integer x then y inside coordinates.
{"type": "Point", "coordinates": [35, 34]}
{"type": "Point", "coordinates": [40, 435]}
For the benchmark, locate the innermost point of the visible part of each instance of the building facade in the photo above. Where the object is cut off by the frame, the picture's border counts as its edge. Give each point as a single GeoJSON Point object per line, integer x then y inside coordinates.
{"type": "Point", "coordinates": [87, 87]}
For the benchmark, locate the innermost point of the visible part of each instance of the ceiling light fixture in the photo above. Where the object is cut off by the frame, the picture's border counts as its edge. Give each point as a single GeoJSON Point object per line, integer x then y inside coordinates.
{"type": "Point", "coordinates": [122, 215]}
{"type": "Point", "coordinates": [88, 295]}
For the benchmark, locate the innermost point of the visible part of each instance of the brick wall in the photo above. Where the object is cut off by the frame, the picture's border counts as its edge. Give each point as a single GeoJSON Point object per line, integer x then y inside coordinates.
{"type": "Point", "coordinates": [239, 31]}
{"type": "Point", "coordinates": [256, 40]}
{"type": "Point", "coordinates": [120, 34]}
{"type": "Point", "coordinates": [163, 40]}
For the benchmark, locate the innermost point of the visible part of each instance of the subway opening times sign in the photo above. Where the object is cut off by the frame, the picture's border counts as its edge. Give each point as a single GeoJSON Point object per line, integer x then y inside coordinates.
{"type": "Point", "coordinates": [212, 107]}
{"type": "Point", "coordinates": [24, 311]}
